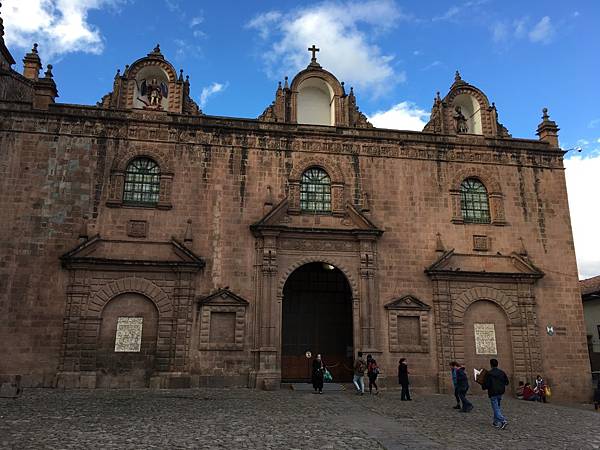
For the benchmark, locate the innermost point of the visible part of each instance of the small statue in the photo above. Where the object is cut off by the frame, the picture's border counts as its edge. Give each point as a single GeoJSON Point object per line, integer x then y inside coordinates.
{"type": "Point", "coordinates": [153, 91]}
{"type": "Point", "coordinates": [460, 120]}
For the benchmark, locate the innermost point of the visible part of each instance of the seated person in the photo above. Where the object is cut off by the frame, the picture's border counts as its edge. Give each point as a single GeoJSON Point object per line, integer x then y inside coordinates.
{"type": "Point", "coordinates": [529, 394]}
{"type": "Point", "coordinates": [520, 390]}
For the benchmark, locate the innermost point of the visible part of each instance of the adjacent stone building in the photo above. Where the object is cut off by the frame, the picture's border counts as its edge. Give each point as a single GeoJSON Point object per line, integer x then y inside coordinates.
{"type": "Point", "coordinates": [590, 296]}
{"type": "Point", "coordinates": [147, 244]}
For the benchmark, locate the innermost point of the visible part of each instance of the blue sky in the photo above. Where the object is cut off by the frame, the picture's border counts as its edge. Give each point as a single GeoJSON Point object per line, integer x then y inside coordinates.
{"type": "Point", "coordinates": [396, 54]}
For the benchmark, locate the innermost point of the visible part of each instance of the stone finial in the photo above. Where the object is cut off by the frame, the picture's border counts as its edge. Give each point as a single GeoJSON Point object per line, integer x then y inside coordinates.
{"type": "Point", "coordinates": [187, 79]}
{"type": "Point", "coordinates": [439, 245]}
{"type": "Point", "coordinates": [457, 76]}
{"type": "Point", "coordinates": [156, 52]}
{"type": "Point", "coordinates": [84, 230]}
{"type": "Point", "coordinates": [32, 64]}
{"type": "Point", "coordinates": [366, 207]}
{"type": "Point", "coordinates": [547, 130]}
{"type": "Point", "coordinates": [269, 200]}
{"type": "Point", "coordinates": [1, 24]}
{"type": "Point", "coordinates": [522, 249]}
{"type": "Point", "coordinates": [180, 74]}
{"type": "Point", "coordinates": [285, 84]}
{"type": "Point", "coordinates": [118, 74]}
{"type": "Point", "coordinates": [48, 73]}
{"type": "Point", "coordinates": [343, 89]}
{"type": "Point", "coordinates": [188, 232]}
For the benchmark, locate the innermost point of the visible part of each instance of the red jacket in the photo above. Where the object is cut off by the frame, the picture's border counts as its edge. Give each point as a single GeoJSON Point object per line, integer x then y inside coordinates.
{"type": "Point", "coordinates": [527, 393]}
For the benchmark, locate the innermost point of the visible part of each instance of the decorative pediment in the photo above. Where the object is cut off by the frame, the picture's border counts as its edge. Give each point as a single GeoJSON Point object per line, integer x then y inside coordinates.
{"type": "Point", "coordinates": [222, 297]}
{"type": "Point", "coordinates": [132, 254]}
{"type": "Point", "coordinates": [407, 302]}
{"type": "Point", "coordinates": [457, 264]}
{"type": "Point", "coordinates": [352, 221]}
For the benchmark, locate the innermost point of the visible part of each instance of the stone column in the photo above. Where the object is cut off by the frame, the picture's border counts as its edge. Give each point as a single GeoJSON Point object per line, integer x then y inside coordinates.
{"type": "Point", "coordinates": [444, 330]}
{"type": "Point", "coordinates": [368, 295]}
{"type": "Point", "coordinates": [268, 372]}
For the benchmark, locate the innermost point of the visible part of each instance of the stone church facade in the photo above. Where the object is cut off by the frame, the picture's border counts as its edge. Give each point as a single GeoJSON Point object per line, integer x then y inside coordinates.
{"type": "Point", "coordinates": [147, 244]}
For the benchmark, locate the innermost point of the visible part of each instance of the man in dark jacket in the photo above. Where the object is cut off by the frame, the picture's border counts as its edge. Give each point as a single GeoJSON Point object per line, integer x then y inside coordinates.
{"type": "Point", "coordinates": [462, 386]}
{"type": "Point", "coordinates": [495, 383]}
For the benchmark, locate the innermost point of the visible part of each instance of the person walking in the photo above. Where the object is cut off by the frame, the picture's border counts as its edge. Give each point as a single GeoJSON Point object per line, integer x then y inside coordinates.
{"type": "Point", "coordinates": [359, 373]}
{"type": "Point", "coordinates": [403, 379]}
{"type": "Point", "coordinates": [454, 367]}
{"type": "Point", "coordinates": [372, 373]}
{"type": "Point", "coordinates": [462, 387]}
{"type": "Point", "coordinates": [318, 370]}
{"type": "Point", "coordinates": [495, 383]}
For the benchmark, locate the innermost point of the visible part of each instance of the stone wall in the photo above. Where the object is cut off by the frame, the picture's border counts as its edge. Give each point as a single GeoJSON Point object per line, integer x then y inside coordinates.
{"type": "Point", "coordinates": [59, 166]}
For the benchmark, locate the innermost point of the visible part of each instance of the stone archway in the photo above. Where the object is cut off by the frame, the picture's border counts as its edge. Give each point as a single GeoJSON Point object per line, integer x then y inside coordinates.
{"type": "Point", "coordinates": [126, 348]}
{"type": "Point", "coordinates": [317, 316]}
{"type": "Point", "coordinates": [487, 334]}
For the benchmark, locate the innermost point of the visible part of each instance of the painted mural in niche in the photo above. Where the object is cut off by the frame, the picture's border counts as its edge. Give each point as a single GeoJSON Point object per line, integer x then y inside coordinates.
{"type": "Point", "coordinates": [129, 334]}
{"type": "Point", "coordinates": [485, 339]}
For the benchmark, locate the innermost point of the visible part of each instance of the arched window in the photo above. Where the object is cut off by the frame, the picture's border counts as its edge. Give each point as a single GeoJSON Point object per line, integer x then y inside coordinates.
{"type": "Point", "coordinates": [142, 182]}
{"type": "Point", "coordinates": [315, 190]}
{"type": "Point", "coordinates": [474, 201]}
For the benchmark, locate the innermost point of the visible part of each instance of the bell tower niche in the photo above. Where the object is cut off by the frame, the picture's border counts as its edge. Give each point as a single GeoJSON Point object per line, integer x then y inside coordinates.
{"type": "Point", "coordinates": [151, 83]}
{"type": "Point", "coordinates": [315, 97]}
{"type": "Point", "coordinates": [151, 90]}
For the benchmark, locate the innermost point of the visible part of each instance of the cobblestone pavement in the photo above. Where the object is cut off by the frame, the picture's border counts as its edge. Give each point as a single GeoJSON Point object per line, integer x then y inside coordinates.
{"type": "Point", "coordinates": [285, 419]}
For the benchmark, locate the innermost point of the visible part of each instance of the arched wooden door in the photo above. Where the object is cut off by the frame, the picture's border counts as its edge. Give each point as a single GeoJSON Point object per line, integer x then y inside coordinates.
{"type": "Point", "coordinates": [316, 317]}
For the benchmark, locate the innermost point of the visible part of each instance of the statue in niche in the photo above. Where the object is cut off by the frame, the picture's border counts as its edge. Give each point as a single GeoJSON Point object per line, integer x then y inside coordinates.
{"type": "Point", "coordinates": [460, 121]}
{"type": "Point", "coordinates": [152, 92]}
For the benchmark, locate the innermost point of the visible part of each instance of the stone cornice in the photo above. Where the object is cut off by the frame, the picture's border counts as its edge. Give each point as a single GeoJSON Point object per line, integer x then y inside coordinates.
{"type": "Point", "coordinates": [168, 128]}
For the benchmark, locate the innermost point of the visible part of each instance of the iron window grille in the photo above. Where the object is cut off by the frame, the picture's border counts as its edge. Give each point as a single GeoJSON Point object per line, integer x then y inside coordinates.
{"type": "Point", "coordinates": [315, 191]}
{"type": "Point", "coordinates": [142, 182]}
{"type": "Point", "coordinates": [474, 201]}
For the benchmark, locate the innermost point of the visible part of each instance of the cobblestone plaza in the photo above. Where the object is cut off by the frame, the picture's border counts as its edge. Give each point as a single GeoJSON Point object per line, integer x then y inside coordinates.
{"type": "Point", "coordinates": [284, 419]}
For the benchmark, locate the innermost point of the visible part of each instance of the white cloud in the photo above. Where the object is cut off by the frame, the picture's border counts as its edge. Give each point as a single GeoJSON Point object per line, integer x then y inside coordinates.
{"type": "Point", "coordinates": [543, 31]}
{"type": "Point", "coordinates": [594, 123]}
{"type": "Point", "coordinates": [581, 174]}
{"type": "Point", "coordinates": [343, 31]}
{"type": "Point", "coordinates": [59, 26]}
{"type": "Point", "coordinates": [402, 116]}
{"type": "Point", "coordinates": [506, 32]}
{"type": "Point", "coordinates": [209, 91]}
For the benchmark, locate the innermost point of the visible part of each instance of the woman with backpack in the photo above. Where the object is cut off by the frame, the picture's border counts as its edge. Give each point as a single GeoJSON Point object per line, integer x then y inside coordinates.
{"type": "Point", "coordinates": [372, 372]}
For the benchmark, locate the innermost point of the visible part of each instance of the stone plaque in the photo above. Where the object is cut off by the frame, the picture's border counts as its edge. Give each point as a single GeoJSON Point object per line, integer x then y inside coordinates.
{"type": "Point", "coordinates": [129, 334]}
{"type": "Point", "coordinates": [481, 243]}
{"type": "Point", "coordinates": [485, 339]}
{"type": "Point", "coordinates": [137, 228]}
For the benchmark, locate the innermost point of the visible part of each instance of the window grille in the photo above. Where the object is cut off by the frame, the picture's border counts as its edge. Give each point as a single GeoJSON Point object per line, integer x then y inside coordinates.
{"type": "Point", "coordinates": [315, 191]}
{"type": "Point", "coordinates": [474, 201]}
{"type": "Point", "coordinates": [142, 182]}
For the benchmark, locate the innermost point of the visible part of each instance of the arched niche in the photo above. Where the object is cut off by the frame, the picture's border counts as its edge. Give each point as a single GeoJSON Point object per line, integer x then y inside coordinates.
{"type": "Point", "coordinates": [151, 88]}
{"type": "Point", "coordinates": [471, 110]}
{"type": "Point", "coordinates": [315, 104]}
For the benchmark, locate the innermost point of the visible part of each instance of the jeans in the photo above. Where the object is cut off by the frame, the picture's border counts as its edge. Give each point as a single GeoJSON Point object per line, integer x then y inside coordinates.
{"type": "Point", "coordinates": [498, 417]}
{"type": "Point", "coordinates": [456, 396]}
{"type": "Point", "coordinates": [466, 404]}
{"type": "Point", "coordinates": [359, 382]}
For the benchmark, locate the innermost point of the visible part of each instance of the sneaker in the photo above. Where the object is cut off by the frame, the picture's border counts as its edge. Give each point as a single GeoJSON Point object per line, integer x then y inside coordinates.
{"type": "Point", "coordinates": [504, 425]}
{"type": "Point", "coordinates": [497, 425]}
{"type": "Point", "coordinates": [456, 407]}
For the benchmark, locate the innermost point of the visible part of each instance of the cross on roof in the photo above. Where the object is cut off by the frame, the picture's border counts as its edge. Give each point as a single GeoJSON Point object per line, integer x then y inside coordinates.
{"type": "Point", "coordinates": [314, 50]}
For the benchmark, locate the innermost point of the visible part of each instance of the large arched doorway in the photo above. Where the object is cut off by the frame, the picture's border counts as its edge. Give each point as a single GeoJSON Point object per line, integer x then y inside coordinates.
{"type": "Point", "coordinates": [316, 317]}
